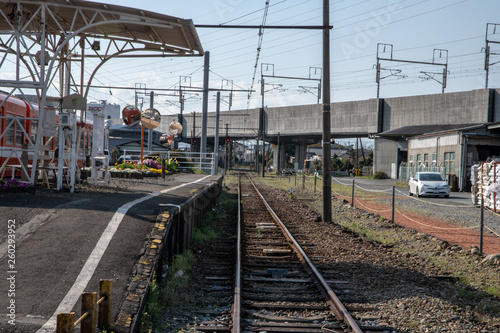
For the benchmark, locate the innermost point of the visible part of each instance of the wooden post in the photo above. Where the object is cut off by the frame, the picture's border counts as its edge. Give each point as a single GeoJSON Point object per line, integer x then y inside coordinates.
{"type": "Point", "coordinates": [88, 305]}
{"type": "Point", "coordinates": [65, 322]}
{"type": "Point", "coordinates": [105, 290]}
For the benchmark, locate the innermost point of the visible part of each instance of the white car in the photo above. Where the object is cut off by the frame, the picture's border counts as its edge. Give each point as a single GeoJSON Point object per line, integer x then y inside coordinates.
{"type": "Point", "coordinates": [429, 183]}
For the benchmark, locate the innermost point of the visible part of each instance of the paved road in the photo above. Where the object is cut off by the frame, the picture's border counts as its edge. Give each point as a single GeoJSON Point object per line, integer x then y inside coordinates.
{"type": "Point", "coordinates": [66, 243]}
{"type": "Point", "coordinates": [458, 198]}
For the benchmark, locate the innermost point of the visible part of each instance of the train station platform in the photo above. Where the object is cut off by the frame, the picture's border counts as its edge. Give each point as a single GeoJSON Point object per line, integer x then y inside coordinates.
{"type": "Point", "coordinates": [54, 246]}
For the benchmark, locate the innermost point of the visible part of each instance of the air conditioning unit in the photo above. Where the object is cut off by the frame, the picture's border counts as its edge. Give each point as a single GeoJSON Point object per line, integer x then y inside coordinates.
{"type": "Point", "coordinates": [66, 119]}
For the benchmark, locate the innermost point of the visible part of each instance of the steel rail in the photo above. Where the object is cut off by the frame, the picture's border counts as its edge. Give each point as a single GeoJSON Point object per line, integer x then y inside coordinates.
{"type": "Point", "coordinates": [236, 327]}
{"type": "Point", "coordinates": [334, 302]}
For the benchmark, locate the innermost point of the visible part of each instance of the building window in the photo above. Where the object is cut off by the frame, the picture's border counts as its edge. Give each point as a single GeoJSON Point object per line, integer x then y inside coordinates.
{"type": "Point", "coordinates": [419, 160]}
{"type": "Point", "coordinates": [434, 159]}
{"type": "Point", "coordinates": [449, 163]}
{"type": "Point", "coordinates": [411, 159]}
{"type": "Point", "coordinates": [426, 160]}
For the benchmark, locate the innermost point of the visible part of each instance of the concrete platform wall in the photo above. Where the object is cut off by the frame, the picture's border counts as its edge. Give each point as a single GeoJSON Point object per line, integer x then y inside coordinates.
{"type": "Point", "coordinates": [172, 234]}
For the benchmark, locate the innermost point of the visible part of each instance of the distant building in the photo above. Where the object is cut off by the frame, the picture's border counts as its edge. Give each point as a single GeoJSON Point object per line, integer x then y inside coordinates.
{"type": "Point", "coordinates": [317, 150]}
{"type": "Point", "coordinates": [112, 110]}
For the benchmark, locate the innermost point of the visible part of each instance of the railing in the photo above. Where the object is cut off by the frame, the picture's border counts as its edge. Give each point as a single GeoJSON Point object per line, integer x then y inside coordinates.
{"type": "Point", "coordinates": [185, 160]}
{"type": "Point", "coordinates": [193, 160]}
{"type": "Point", "coordinates": [91, 309]}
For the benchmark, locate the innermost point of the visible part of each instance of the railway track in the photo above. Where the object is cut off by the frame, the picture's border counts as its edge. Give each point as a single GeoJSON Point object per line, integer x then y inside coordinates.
{"type": "Point", "coordinates": [274, 286]}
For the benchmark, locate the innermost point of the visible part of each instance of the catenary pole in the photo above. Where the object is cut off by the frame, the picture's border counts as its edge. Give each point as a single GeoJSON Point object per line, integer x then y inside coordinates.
{"type": "Point", "coordinates": [204, 116]}
{"type": "Point", "coordinates": [327, 180]}
{"type": "Point", "coordinates": [216, 141]}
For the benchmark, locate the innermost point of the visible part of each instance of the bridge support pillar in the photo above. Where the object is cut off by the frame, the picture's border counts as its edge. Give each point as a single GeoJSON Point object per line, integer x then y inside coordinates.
{"type": "Point", "coordinates": [279, 164]}
{"type": "Point", "coordinates": [300, 156]}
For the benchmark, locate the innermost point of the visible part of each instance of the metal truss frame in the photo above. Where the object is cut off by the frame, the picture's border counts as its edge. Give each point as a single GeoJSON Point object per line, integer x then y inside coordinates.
{"type": "Point", "coordinates": [41, 39]}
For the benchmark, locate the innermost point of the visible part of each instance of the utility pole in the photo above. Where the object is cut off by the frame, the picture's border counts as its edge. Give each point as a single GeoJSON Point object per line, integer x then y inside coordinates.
{"type": "Point", "coordinates": [193, 138]}
{"type": "Point", "coordinates": [226, 155]}
{"type": "Point", "coordinates": [206, 70]}
{"type": "Point", "coordinates": [150, 132]}
{"type": "Point", "coordinates": [216, 142]}
{"type": "Point", "coordinates": [487, 50]}
{"type": "Point", "coordinates": [357, 160]}
{"type": "Point", "coordinates": [277, 165]}
{"type": "Point", "coordinates": [257, 155]}
{"type": "Point", "coordinates": [327, 163]}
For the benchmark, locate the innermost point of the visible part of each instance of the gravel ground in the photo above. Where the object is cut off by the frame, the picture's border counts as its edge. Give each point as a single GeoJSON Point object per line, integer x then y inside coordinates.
{"type": "Point", "coordinates": [395, 278]}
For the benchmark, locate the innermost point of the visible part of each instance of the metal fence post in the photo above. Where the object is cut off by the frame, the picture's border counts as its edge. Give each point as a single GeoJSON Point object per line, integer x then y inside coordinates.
{"type": "Point", "coordinates": [481, 226]}
{"type": "Point", "coordinates": [352, 195]}
{"type": "Point", "coordinates": [162, 167]}
{"type": "Point", "coordinates": [393, 201]}
{"type": "Point", "coordinates": [303, 181]}
{"type": "Point", "coordinates": [65, 322]}
{"type": "Point", "coordinates": [314, 182]}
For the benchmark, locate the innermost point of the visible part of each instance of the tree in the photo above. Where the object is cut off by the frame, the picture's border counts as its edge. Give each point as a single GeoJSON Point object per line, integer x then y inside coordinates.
{"type": "Point", "coordinates": [368, 161]}
{"type": "Point", "coordinates": [336, 163]}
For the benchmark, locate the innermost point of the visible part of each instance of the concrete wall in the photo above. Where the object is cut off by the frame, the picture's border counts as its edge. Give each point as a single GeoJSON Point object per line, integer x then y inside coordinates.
{"type": "Point", "coordinates": [354, 117]}
{"type": "Point", "coordinates": [385, 156]}
{"type": "Point", "coordinates": [294, 119]}
{"type": "Point", "coordinates": [452, 108]}
{"type": "Point", "coordinates": [357, 118]}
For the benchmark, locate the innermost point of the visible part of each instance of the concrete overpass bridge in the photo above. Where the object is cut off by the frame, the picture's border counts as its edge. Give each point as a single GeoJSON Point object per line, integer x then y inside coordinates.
{"type": "Point", "coordinates": [302, 125]}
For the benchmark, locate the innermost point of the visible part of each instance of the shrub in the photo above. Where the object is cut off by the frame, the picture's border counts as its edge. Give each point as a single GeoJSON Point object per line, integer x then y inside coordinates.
{"type": "Point", "coordinates": [172, 165]}
{"type": "Point", "coordinates": [380, 175]}
{"type": "Point", "coordinates": [151, 163]}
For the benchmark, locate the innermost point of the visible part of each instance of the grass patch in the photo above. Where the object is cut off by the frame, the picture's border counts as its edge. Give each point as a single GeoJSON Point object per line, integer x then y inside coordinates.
{"type": "Point", "coordinates": [168, 293]}
{"type": "Point", "coordinates": [174, 290]}
{"type": "Point", "coordinates": [204, 233]}
{"type": "Point", "coordinates": [208, 228]}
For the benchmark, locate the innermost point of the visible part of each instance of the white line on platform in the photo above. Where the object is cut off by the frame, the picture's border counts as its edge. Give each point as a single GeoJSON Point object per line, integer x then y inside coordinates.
{"type": "Point", "coordinates": [88, 269]}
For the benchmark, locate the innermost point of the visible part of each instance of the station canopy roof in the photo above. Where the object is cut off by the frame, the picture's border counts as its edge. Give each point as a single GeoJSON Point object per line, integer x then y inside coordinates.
{"type": "Point", "coordinates": [154, 30]}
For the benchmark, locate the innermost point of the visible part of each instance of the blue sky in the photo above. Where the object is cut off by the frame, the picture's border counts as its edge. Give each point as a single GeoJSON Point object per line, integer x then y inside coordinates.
{"type": "Point", "coordinates": [414, 27]}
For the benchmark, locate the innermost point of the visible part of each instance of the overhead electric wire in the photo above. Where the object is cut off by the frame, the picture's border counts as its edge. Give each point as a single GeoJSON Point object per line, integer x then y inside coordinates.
{"type": "Point", "coordinates": [227, 64]}
{"type": "Point", "coordinates": [259, 47]}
